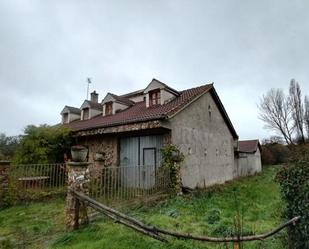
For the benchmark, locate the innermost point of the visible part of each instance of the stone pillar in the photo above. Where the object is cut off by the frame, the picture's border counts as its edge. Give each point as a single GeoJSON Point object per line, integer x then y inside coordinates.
{"type": "Point", "coordinates": [178, 181]}
{"type": "Point", "coordinates": [78, 179]}
{"type": "Point", "coordinates": [4, 180]}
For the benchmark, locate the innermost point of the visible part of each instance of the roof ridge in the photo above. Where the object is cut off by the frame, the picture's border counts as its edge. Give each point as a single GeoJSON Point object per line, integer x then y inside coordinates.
{"type": "Point", "coordinates": [140, 113]}
{"type": "Point", "coordinates": [192, 88]}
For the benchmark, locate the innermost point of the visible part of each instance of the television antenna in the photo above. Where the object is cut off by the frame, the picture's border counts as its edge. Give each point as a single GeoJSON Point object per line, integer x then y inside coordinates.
{"type": "Point", "coordinates": [88, 83]}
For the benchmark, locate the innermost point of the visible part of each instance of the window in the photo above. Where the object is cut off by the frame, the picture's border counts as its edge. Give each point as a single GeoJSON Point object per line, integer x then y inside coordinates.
{"type": "Point", "coordinates": [154, 97]}
{"type": "Point", "coordinates": [85, 113]}
{"type": "Point", "coordinates": [65, 118]}
{"type": "Point", "coordinates": [109, 108]}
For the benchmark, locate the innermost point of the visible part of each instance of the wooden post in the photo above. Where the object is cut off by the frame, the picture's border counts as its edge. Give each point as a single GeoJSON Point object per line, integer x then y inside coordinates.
{"type": "Point", "coordinates": [236, 245]}
{"type": "Point", "coordinates": [4, 181]}
{"type": "Point", "coordinates": [78, 179]}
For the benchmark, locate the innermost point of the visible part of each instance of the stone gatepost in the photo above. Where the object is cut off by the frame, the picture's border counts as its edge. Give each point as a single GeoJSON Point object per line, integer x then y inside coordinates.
{"type": "Point", "coordinates": [178, 181]}
{"type": "Point", "coordinates": [4, 180]}
{"type": "Point", "coordinates": [78, 179]}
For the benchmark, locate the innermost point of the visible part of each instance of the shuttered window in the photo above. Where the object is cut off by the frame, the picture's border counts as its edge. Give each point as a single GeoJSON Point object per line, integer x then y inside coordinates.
{"type": "Point", "coordinates": [154, 97]}
{"type": "Point", "coordinates": [109, 108]}
{"type": "Point", "coordinates": [85, 113]}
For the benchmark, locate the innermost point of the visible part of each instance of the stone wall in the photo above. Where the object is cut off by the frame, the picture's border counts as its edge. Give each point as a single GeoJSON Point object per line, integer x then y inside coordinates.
{"type": "Point", "coordinates": [121, 128]}
{"type": "Point", "coordinates": [105, 146]}
{"type": "Point", "coordinates": [78, 180]}
{"type": "Point", "coordinates": [4, 180]}
{"type": "Point", "coordinates": [167, 139]}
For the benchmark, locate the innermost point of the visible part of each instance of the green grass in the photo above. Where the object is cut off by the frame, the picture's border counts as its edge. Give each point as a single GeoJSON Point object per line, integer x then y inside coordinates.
{"type": "Point", "coordinates": [211, 212]}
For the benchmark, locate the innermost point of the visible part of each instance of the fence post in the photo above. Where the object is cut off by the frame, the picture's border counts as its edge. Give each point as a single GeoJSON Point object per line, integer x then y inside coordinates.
{"type": "Point", "coordinates": [78, 179]}
{"type": "Point", "coordinates": [4, 180]}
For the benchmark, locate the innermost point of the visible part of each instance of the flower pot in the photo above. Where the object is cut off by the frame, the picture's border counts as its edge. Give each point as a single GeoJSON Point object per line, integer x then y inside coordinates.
{"type": "Point", "coordinates": [99, 157]}
{"type": "Point", "coordinates": [79, 153]}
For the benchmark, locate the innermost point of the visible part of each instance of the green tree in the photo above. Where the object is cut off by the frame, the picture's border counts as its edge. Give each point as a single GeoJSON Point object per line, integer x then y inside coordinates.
{"type": "Point", "coordinates": [43, 144]}
{"type": "Point", "coordinates": [8, 146]}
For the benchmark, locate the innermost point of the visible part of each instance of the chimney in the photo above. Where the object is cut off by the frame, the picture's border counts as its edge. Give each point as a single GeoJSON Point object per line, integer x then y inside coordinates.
{"type": "Point", "coordinates": [94, 97]}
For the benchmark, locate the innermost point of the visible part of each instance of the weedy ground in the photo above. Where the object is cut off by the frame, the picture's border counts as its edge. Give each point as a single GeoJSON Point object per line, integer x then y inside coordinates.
{"type": "Point", "coordinates": [210, 212]}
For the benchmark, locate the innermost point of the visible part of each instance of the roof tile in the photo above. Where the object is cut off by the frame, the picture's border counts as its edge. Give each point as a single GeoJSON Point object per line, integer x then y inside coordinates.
{"type": "Point", "coordinates": [139, 112]}
{"type": "Point", "coordinates": [249, 146]}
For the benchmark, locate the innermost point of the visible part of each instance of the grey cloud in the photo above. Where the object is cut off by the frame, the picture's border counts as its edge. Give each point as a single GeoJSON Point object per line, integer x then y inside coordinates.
{"type": "Point", "coordinates": [48, 48]}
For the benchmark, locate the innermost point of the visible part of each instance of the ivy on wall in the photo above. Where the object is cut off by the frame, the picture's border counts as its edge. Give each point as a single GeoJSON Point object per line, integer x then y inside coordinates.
{"type": "Point", "coordinates": [171, 161]}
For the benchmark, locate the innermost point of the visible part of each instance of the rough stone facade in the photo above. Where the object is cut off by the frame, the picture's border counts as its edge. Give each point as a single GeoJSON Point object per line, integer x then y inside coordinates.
{"type": "Point", "coordinates": [203, 137]}
{"type": "Point", "coordinates": [78, 179]}
{"type": "Point", "coordinates": [104, 146]}
{"type": "Point", "coordinates": [167, 139]}
{"type": "Point", "coordinates": [121, 128]}
{"type": "Point", "coordinates": [4, 179]}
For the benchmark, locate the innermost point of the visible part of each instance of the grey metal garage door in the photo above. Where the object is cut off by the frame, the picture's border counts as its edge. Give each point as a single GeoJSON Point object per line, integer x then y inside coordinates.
{"type": "Point", "coordinates": [139, 159]}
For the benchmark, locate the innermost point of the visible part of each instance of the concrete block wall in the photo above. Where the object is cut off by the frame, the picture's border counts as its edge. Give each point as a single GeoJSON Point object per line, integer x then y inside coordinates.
{"type": "Point", "coordinates": [208, 145]}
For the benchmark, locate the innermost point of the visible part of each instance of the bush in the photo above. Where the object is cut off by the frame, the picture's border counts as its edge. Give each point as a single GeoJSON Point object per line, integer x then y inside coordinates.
{"type": "Point", "coordinates": [171, 159]}
{"type": "Point", "coordinates": [294, 183]}
{"type": "Point", "coordinates": [43, 144]}
{"type": "Point", "coordinates": [275, 153]}
{"type": "Point", "coordinates": [8, 146]}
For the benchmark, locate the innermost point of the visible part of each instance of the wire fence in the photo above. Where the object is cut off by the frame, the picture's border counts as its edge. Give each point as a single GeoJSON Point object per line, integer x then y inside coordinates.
{"type": "Point", "coordinates": [107, 184]}
{"type": "Point", "coordinates": [38, 177]}
{"type": "Point", "coordinates": [127, 182]}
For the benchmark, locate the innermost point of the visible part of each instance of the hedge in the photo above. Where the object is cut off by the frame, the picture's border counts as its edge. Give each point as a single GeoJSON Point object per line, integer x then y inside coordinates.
{"type": "Point", "coordinates": [294, 184]}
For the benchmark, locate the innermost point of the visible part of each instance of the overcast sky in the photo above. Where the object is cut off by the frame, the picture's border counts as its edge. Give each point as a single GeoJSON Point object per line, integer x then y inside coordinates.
{"type": "Point", "coordinates": [49, 48]}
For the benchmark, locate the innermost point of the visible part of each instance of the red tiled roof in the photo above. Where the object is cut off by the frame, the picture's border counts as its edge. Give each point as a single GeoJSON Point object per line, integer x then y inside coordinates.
{"type": "Point", "coordinates": [249, 146]}
{"type": "Point", "coordinates": [139, 112]}
{"type": "Point", "coordinates": [94, 105]}
{"type": "Point", "coordinates": [72, 109]}
{"type": "Point", "coordinates": [121, 99]}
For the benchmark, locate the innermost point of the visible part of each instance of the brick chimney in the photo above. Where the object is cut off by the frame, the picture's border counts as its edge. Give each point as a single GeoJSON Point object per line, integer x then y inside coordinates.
{"type": "Point", "coordinates": [94, 97]}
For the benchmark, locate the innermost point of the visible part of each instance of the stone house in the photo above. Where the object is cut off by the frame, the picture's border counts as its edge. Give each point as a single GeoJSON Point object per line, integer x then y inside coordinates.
{"type": "Point", "coordinates": [129, 130]}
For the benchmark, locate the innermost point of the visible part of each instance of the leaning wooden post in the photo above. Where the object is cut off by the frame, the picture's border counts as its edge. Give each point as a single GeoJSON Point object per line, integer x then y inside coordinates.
{"type": "Point", "coordinates": [78, 180]}
{"type": "Point", "coordinates": [236, 245]}
{"type": "Point", "coordinates": [4, 181]}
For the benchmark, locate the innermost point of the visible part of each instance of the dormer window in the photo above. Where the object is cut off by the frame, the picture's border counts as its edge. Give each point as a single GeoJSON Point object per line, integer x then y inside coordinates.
{"type": "Point", "coordinates": [85, 114]}
{"type": "Point", "coordinates": [65, 118]}
{"type": "Point", "coordinates": [113, 104]}
{"type": "Point", "coordinates": [109, 108]}
{"type": "Point", "coordinates": [155, 97]}
{"type": "Point", "coordinates": [158, 93]}
{"type": "Point", "coordinates": [69, 114]}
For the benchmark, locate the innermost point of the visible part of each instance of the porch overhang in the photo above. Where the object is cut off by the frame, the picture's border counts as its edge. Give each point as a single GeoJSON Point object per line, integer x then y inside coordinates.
{"type": "Point", "coordinates": [154, 125]}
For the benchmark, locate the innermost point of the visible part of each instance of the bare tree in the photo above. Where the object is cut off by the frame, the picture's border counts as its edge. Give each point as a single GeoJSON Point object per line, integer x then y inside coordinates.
{"type": "Point", "coordinates": [306, 115]}
{"type": "Point", "coordinates": [296, 103]}
{"type": "Point", "coordinates": [276, 112]}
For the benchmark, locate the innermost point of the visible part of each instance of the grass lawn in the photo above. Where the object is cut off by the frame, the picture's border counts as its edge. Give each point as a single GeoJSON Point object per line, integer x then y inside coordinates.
{"type": "Point", "coordinates": [211, 212]}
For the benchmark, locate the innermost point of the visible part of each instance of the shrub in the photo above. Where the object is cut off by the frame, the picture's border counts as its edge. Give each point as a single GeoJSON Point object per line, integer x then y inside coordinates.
{"type": "Point", "coordinates": [294, 183]}
{"type": "Point", "coordinates": [275, 153]}
{"type": "Point", "coordinates": [171, 159]}
{"type": "Point", "coordinates": [43, 144]}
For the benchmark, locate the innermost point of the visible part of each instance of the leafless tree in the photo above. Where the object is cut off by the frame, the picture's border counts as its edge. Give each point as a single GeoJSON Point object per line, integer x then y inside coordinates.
{"type": "Point", "coordinates": [306, 115]}
{"type": "Point", "coordinates": [295, 99]}
{"type": "Point", "coordinates": [276, 112]}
